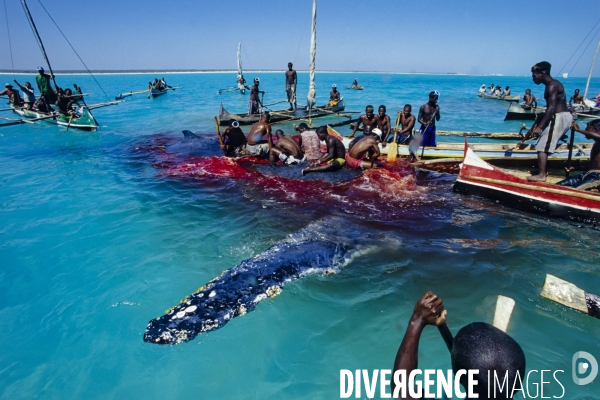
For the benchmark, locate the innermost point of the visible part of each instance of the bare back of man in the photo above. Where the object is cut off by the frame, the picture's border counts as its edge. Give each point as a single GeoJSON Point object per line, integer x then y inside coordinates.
{"type": "Point", "coordinates": [364, 153]}
{"type": "Point", "coordinates": [259, 145]}
{"type": "Point", "coordinates": [286, 147]}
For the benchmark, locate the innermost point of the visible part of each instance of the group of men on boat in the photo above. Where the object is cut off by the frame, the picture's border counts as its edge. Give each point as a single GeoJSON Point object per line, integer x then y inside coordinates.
{"type": "Point", "coordinates": [158, 84]}
{"type": "Point", "coordinates": [495, 91]}
{"type": "Point", "coordinates": [64, 100]}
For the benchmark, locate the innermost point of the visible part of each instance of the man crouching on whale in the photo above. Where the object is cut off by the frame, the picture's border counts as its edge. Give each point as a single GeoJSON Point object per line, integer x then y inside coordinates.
{"type": "Point", "coordinates": [258, 145]}
{"type": "Point", "coordinates": [335, 158]}
{"type": "Point", "coordinates": [287, 150]}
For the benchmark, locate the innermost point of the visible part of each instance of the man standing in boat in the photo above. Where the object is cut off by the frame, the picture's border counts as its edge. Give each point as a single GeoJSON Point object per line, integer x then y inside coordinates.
{"type": "Point", "coordinates": [529, 100]}
{"type": "Point", "coordinates": [428, 114]}
{"type": "Point", "coordinates": [258, 145]}
{"type": "Point", "coordinates": [369, 120]}
{"type": "Point", "coordinates": [254, 98]}
{"type": "Point", "coordinates": [551, 125]}
{"type": "Point", "coordinates": [291, 79]}
{"type": "Point", "coordinates": [28, 94]}
{"type": "Point", "coordinates": [335, 157]}
{"type": "Point", "coordinates": [44, 86]}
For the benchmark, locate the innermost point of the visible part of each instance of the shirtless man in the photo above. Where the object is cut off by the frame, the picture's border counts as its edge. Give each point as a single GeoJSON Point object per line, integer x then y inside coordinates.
{"type": "Point", "coordinates": [287, 150]}
{"type": "Point", "coordinates": [407, 121]}
{"type": "Point", "coordinates": [385, 123]}
{"type": "Point", "coordinates": [258, 145]}
{"type": "Point", "coordinates": [369, 121]}
{"type": "Point", "coordinates": [335, 157]}
{"type": "Point", "coordinates": [334, 96]}
{"type": "Point", "coordinates": [13, 95]}
{"type": "Point", "coordinates": [254, 98]}
{"type": "Point", "coordinates": [529, 100]}
{"type": "Point", "coordinates": [551, 125]}
{"type": "Point", "coordinates": [428, 114]}
{"type": "Point", "coordinates": [291, 79]}
{"type": "Point", "coordinates": [477, 346]}
{"type": "Point", "coordinates": [355, 83]}
{"type": "Point", "coordinates": [233, 139]}
{"type": "Point", "coordinates": [576, 99]}
{"type": "Point", "coordinates": [363, 154]}
{"type": "Point", "coordinates": [507, 91]}
{"type": "Point", "coordinates": [592, 131]}
{"type": "Point", "coordinates": [65, 103]}
{"type": "Point", "coordinates": [310, 143]}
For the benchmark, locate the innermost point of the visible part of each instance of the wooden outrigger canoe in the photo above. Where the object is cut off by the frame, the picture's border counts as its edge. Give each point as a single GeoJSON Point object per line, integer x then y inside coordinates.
{"type": "Point", "coordinates": [85, 121]}
{"type": "Point", "coordinates": [505, 98]}
{"type": "Point", "coordinates": [157, 92]}
{"type": "Point", "coordinates": [355, 87]}
{"type": "Point", "coordinates": [480, 178]}
{"type": "Point", "coordinates": [225, 117]}
{"type": "Point", "coordinates": [516, 112]}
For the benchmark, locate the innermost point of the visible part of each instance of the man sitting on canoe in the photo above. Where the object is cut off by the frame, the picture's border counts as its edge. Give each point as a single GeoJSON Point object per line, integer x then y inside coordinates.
{"type": "Point", "coordinates": [254, 98]}
{"type": "Point", "coordinates": [482, 89]}
{"type": "Point", "coordinates": [65, 103]}
{"type": "Point", "coordinates": [355, 83]}
{"type": "Point", "coordinates": [334, 96]}
{"type": "Point", "coordinates": [507, 91]}
{"type": "Point", "coordinates": [385, 123]}
{"type": "Point", "coordinates": [477, 346]}
{"type": "Point", "coordinates": [529, 100]}
{"type": "Point", "coordinates": [363, 154]}
{"type": "Point", "coordinates": [28, 94]}
{"type": "Point", "coordinates": [287, 150]}
{"type": "Point", "coordinates": [369, 120]}
{"type": "Point", "coordinates": [257, 144]}
{"type": "Point", "coordinates": [241, 82]}
{"type": "Point", "coordinates": [592, 131]}
{"type": "Point", "coordinates": [42, 106]}
{"type": "Point", "coordinates": [13, 95]}
{"type": "Point", "coordinates": [335, 157]}
{"type": "Point", "coordinates": [310, 143]}
{"type": "Point", "coordinates": [233, 139]}
{"type": "Point", "coordinates": [554, 123]}
{"type": "Point", "coordinates": [576, 101]}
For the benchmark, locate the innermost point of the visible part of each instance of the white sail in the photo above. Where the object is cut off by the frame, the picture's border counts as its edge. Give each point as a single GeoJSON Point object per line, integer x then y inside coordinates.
{"type": "Point", "coordinates": [312, 93]}
{"type": "Point", "coordinates": [587, 85]}
{"type": "Point", "coordinates": [239, 62]}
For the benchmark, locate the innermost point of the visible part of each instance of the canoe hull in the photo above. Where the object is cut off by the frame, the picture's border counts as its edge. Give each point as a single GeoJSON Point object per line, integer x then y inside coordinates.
{"type": "Point", "coordinates": [226, 117]}
{"type": "Point", "coordinates": [480, 178]}
{"type": "Point", "coordinates": [85, 123]}
{"type": "Point", "coordinates": [517, 113]}
{"type": "Point", "coordinates": [505, 98]}
{"type": "Point", "coordinates": [156, 93]}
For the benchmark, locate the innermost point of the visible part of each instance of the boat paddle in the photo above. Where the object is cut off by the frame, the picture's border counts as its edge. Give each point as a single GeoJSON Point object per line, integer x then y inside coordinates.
{"type": "Point", "coordinates": [218, 130]}
{"type": "Point", "coordinates": [69, 124]}
{"type": "Point", "coordinates": [568, 168]}
{"type": "Point", "coordinates": [149, 89]}
{"type": "Point", "coordinates": [393, 149]}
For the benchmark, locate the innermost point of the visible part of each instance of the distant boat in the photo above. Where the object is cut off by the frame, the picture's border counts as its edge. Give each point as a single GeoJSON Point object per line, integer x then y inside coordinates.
{"type": "Point", "coordinates": [505, 98]}
{"type": "Point", "coordinates": [480, 178]}
{"type": "Point", "coordinates": [355, 87]}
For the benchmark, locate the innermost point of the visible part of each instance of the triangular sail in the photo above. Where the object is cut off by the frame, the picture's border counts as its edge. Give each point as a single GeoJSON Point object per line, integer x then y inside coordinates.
{"type": "Point", "coordinates": [587, 85]}
{"type": "Point", "coordinates": [239, 63]}
{"type": "Point", "coordinates": [312, 93]}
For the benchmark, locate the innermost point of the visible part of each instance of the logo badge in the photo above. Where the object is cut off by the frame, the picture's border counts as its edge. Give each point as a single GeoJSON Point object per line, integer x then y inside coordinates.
{"type": "Point", "coordinates": [582, 368]}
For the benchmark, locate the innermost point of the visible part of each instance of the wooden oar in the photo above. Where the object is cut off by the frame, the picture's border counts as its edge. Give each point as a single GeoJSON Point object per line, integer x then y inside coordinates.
{"type": "Point", "coordinates": [218, 130]}
{"type": "Point", "coordinates": [17, 120]}
{"type": "Point", "coordinates": [131, 93]}
{"type": "Point", "coordinates": [568, 168]}
{"type": "Point", "coordinates": [69, 124]}
{"type": "Point", "coordinates": [393, 149]}
{"type": "Point", "coordinates": [522, 142]}
{"type": "Point", "coordinates": [174, 88]}
{"type": "Point", "coordinates": [568, 294]}
{"type": "Point", "coordinates": [149, 89]}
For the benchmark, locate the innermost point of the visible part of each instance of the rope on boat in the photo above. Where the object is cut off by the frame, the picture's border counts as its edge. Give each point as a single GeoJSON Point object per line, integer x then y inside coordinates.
{"type": "Point", "coordinates": [75, 51]}
{"type": "Point", "coordinates": [9, 43]}
{"type": "Point", "coordinates": [586, 36]}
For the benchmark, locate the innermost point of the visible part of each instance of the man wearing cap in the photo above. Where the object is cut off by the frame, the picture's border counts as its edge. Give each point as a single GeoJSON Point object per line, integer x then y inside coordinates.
{"type": "Point", "coordinates": [233, 139]}
{"type": "Point", "coordinates": [13, 95]}
{"type": "Point", "coordinates": [369, 120]}
{"type": "Point", "coordinates": [482, 89]}
{"type": "Point", "coordinates": [364, 153]}
{"type": "Point", "coordinates": [428, 114]}
{"type": "Point", "coordinates": [310, 143]}
{"type": "Point", "coordinates": [258, 145]}
{"type": "Point", "coordinates": [291, 79]}
{"type": "Point", "coordinates": [254, 98]}
{"type": "Point", "coordinates": [554, 123]}
{"type": "Point", "coordinates": [334, 96]}
{"type": "Point", "coordinates": [44, 86]}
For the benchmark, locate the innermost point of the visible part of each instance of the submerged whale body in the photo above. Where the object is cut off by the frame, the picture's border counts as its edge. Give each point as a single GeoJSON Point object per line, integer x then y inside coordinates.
{"type": "Point", "coordinates": [238, 290]}
{"type": "Point", "coordinates": [295, 172]}
{"type": "Point", "coordinates": [195, 145]}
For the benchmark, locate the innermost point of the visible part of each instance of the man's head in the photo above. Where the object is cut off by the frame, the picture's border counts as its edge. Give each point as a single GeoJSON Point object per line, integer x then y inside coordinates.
{"type": "Point", "coordinates": [266, 117]}
{"type": "Point", "coordinates": [539, 71]}
{"type": "Point", "coordinates": [433, 96]}
{"type": "Point", "coordinates": [486, 348]}
{"type": "Point", "coordinates": [256, 81]}
{"type": "Point", "coordinates": [378, 132]}
{"type": "Point", "coordinates": [322, 132]}
{"type": "Point", "coordinates": [593, 126]}
{"type": "Point", "coordinates": [290, 65]}
{"type": "Point", "coordinates": [334, 87]}
{"type": "Point", "coordinates": [68, 92]}
{"type": "Point", "coordinates": [369, 110]}
{"type": "Point", "coordinates": [576, 92]}
{"type": "Point", "coordinates": [234, 124]}
{"type": "Point", "coordinates": [407, 109]}
{"type": "Point", "coordinates": [27, 85]}
{"type": "Point", "coordinates": [40, 70]}
{"type": "Point", "coordinates": [528, 91]}
{"type": "Point", "coordinates": [507, 88]}
{"type": "Point", "coordinates": [8, 86]}
{"type": "Point", "coordinates": [302, 127]}
{"type": "Point", "coordinates": [382, 110]}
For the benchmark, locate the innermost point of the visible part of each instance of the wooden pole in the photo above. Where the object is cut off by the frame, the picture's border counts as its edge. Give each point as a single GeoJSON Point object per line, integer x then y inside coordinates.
{"type": "Point", "coordinates": [568, 294]}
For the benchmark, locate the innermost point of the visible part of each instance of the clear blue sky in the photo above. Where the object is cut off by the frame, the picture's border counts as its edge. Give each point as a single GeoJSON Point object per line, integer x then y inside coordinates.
{"type": "Point", "coordinates": [475, 37]}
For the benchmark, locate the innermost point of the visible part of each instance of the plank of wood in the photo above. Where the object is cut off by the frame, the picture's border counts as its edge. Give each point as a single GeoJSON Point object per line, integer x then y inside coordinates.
{"type": "Point", "coordinates": [504, 309]}
{"type": "Point", "coordinates": [568, 294]}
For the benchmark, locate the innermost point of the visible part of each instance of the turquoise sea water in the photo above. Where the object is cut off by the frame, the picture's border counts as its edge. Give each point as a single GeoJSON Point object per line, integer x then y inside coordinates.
{"type": "Point", "coordinates": [98, 236]}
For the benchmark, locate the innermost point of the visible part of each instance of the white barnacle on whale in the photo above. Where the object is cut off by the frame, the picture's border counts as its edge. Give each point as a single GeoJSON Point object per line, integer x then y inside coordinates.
{"type": "Point", "coordinates": [212, 294]}
{"type": "Point", "coordinates": [180, 314]}
{"type": "Point", "coordinates": [260, 298]}
{"type": "Point", "coordinates": [242, 309]}
{"type": "Point", "coordinates": [191, 309]}
{"type": "Point", "coordinates": [273, 291]}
